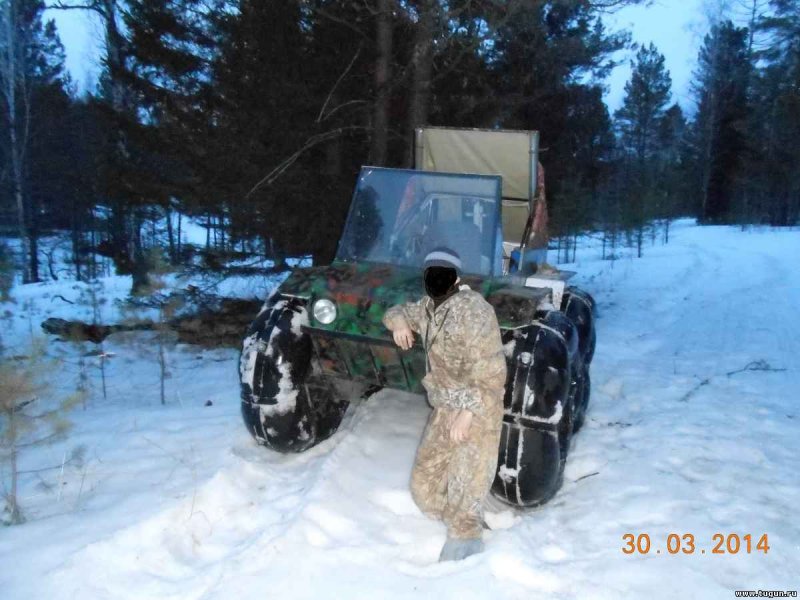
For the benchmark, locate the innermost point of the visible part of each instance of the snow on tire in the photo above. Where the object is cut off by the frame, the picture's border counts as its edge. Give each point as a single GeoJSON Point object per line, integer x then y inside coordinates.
{"type": "Point", "coordinates": [578, 306]}
{"type": "Point", "coordinates": [582, 397]}
{"type": "Point", "coordinates": [537, 421]}
{"type": "Point", "coordinates": [285, 405]}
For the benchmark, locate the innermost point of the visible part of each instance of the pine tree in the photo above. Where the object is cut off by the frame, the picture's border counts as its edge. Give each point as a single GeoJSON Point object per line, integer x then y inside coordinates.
{"type": "Point", "coordinates": [286, 109]}
{"type": "Point", "coordinates": [32, 81]}
{"type": "Point", "coordinates": [647, 94]}
{"type": "Point", "coordinates": [167, 74]}
{"type": "Point", "coordinates": [262, 108]}
{"type": "Point", "coordinates": [720, 138]}
{"type": "Point", "coordinates": [640, 118]}
{"type": "Point", "coordinates": [774, 196]}
{"type": "Point", "coordinates": [116, 116]}
{"type": "Point", "coordinates": [577, 205]}
{"type": "Point", "coordinates": [546, 61]}
{"type": "Point", "coordinates": [670, 168]}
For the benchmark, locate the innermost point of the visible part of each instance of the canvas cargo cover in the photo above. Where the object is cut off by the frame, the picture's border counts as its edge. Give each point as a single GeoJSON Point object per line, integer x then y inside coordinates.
{"type": "Point", "coordinates": [514, 214]}
{"type": "Point", "coordinates": [481, 151]}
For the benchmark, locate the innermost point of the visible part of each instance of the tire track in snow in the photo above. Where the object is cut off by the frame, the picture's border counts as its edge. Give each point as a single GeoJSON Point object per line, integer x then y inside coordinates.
{"type": "Point", "coordinates": [361, 506]}
{"type": "Point", "coordinates": [245, 507]}
{"type": "Point", "coordinates": [739, 303]}
{"type": "Point", "coordinates": [701, 466]}
{"type": "Point", "coordinates": [339, 521]}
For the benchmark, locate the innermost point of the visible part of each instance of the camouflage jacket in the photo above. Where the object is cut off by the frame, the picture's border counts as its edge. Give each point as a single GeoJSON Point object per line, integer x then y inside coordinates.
{"type": "Point", "coordinates": [466, 364]}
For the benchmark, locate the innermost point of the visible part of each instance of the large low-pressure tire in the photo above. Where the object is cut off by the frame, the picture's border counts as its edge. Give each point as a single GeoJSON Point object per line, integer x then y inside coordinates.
{"type": "Point", "coordinates": [579, 306]}
{"type": "Point", "coordinates": [285, 405]}
{"type": "Point", "coordinates": [538, 419]}
{"type": "Point", "coordinates": [581, 403]}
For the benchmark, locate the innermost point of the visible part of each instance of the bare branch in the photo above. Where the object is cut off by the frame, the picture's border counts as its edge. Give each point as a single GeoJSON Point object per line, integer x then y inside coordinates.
{"type": "Point", "coordinates": [344, 104]}
{"type": "Point", "coordinates": [321, 116]}
{"type": "Point", "coordinates": [336, 19]}
{"type": "Point", "coordinates": [614, 5]}
{"type": "Point", "coordinates": [310, 143]}
{"type": "Point", "coordinates": [756, 365]}
{"type": "Point", "coordinates": [92, 6]}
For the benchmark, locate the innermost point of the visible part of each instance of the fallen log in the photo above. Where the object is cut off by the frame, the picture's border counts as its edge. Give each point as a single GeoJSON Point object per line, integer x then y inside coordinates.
{"type": "Point", "coordinates": [224, 325]}
{"type": "Point", "coordinates": [78, 331]}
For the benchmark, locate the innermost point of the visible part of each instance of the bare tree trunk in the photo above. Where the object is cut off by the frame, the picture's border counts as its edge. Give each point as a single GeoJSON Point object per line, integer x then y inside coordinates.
{"type": "Point", "coordinates": [179, 232]}
{"type": "Point", "coordinates": [140, 279]}
{"type": "Point", "coordinates": [121, 234]}
{"type": "Point", "coordinates": [103, 371]}
{"type": "Point", "coordinates": [752, 25]}
{"type": "Point", "coordinates": [24, 237]}
{"type": "Point", "coordinates": [33, 236]}
{"type": "Point", "coordinates": [9, 70]}
{"type": "Point", "coordinates": [170, 234]}
{"type": "Point", "coordinates": [15, 513]}
{"type": "Point", "coordinates": [710, 132]}
{"type": "Point", "coordinates": [333, 158]}
{"type": "Point", "coordinates": [33, 244]}
{"type": "Point", "coordinates": [124, 237]}
{"type": "Point", "coordinates": [114, 55]}
{"type": "Point", "coordinates": [380, 124]}
{"type": "Point", "coordinates": [422, 63]}
{"type": "Point", "coordinates": [76, 250]}
{"type": "Point", "coordinates": [639, 240]}
{"type": "Point", "coordinates": [92, 258]}
{"type": "Point", "coordinates": [162, 359]}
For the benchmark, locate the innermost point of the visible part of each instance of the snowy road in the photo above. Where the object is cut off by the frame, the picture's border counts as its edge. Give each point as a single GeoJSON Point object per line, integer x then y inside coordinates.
{"type": "Point", "coordinates": [681, 437]}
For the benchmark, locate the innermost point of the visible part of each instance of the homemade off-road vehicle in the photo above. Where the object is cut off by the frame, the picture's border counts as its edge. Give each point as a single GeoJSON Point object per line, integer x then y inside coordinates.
{"type": "Point", "coordinates": [321, 332]}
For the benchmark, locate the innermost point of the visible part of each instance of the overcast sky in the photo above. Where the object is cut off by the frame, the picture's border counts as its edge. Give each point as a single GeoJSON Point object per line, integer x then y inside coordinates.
{"type": "Point", "coordinates": [674, 26]}
{"type": "Point", "coordinates": [670, 24]}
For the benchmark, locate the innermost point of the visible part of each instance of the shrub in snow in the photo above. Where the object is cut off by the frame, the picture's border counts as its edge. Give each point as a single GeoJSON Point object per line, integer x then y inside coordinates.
{"type": "Point", "coordinates": [168, 305]}
{"type": "Point", "coordinates": [30, 415]}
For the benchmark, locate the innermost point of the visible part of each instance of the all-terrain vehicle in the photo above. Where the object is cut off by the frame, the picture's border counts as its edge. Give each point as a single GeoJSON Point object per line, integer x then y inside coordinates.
{"type": "Point", "coordinates": [321, 331]}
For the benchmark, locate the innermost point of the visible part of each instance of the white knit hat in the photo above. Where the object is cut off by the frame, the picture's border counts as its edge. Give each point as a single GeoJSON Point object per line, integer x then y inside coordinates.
{"type": "Point", "coordinates": [442, 256]}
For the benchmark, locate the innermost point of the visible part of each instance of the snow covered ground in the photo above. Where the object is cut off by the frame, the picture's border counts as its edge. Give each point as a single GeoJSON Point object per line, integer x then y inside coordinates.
{"type": "Point", "coordinates": [693, 428]}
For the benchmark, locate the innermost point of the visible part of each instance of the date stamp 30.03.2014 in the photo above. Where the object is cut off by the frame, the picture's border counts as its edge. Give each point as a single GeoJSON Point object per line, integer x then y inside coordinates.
{"type": "Point", "coordinates": [688, 543]}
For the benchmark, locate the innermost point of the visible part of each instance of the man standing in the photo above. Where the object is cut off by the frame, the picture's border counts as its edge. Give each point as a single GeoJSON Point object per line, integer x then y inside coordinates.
{"type": "Point", "coordinates": [457, 458]}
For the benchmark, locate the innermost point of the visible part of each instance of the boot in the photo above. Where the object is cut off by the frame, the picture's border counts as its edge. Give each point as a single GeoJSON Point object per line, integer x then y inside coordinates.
{"type": "Point", "coordinates": [456, 549]}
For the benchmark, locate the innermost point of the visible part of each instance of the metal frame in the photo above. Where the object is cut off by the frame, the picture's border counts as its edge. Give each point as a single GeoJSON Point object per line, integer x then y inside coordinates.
{"type": "Point", "coordinates": [533, 171]}
{"type": "Point", "coordinates": [534, 176]}
{"type": "Point", "coordinates": [498, 210]}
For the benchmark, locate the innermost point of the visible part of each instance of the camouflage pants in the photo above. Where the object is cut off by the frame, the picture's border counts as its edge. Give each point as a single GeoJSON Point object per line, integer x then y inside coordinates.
{"type": "Point", "coordinates": [450, 480]}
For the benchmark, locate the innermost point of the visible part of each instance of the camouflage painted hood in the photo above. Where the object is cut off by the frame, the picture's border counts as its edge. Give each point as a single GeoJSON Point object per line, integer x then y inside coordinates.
{"type": "Point", "coordinates": [363, 292]}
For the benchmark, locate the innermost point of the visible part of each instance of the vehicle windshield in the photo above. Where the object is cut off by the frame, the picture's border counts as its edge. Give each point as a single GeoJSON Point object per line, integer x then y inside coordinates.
{"type": "Point", "coordinates": [399, 216]}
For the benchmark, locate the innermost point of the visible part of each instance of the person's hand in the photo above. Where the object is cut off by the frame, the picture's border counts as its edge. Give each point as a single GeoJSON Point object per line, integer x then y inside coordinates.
{"type": "Point", "coordinates": [459, 430]}
{"type": "Point", "coordinates": [403, 337]}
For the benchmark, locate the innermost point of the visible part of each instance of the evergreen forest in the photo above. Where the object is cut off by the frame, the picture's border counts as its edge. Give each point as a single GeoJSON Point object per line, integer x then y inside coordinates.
{"type": "Point", "coordinates": [253, 117]}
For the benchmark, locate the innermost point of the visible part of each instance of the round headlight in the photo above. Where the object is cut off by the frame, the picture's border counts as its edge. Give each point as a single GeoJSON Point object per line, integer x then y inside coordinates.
{"type": "Point", "coordinates": [324, 311]}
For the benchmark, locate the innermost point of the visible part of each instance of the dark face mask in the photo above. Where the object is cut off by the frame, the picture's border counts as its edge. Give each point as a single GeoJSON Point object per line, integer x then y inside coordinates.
{"type": "Point", "coordinates": [439, 281]}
